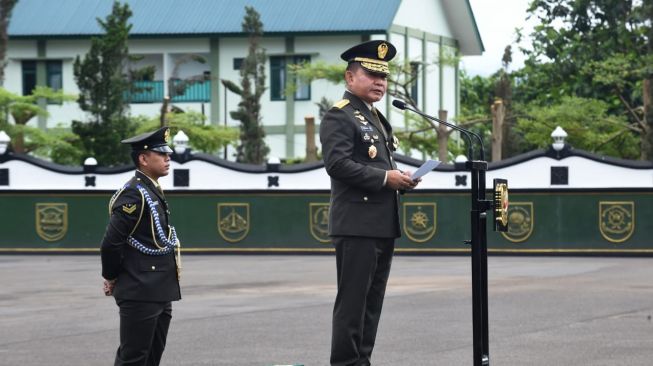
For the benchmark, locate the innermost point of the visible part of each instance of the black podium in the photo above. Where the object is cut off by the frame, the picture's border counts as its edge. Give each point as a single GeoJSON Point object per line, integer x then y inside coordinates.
{"type": "Point", "coordinates": [480, 206]}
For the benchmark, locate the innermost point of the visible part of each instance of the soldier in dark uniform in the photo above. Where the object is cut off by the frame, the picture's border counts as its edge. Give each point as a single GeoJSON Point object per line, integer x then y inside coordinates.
{"type": "Point", "coordinates": [357, 145]}
{"type": "Point", "coordinates": [138, 254]}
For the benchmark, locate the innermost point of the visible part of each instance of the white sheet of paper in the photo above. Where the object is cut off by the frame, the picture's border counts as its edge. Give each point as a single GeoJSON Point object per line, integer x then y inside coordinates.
{"type": "Point", "coordinates": [425, 168]}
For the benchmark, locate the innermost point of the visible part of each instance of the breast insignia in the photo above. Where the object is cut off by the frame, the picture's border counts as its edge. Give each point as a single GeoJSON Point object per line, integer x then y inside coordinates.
{"type": "Point", "coordinates": [371, 151]}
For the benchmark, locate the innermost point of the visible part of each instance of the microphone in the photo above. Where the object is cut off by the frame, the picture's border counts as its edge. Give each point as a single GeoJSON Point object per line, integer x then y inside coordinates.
{"type": "Point", "coordinates": [403, 106]}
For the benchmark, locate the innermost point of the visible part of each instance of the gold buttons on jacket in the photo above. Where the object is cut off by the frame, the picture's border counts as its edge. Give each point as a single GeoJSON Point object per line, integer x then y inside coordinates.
{"type": "Point", "coordinates": [153, 268]}
{"type": "Point", "coordinates": [365, 198]}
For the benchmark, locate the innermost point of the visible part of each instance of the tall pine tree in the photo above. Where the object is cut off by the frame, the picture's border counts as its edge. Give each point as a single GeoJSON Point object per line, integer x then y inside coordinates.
{"type": "Point", "coordinates": [252, 148]}
{"type": "Point", "coordinates": [103, 85]}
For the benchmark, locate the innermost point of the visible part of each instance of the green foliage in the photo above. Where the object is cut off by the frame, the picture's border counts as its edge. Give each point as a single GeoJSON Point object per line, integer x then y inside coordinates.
{"type": "Point", "coordinates": [55, 144]}
{"type": "Point", "coordinates": [587, 123]}
{"type": "Point", "coordinates": [103, 87]}
{"type": "Point", "coordinates": [596, 51]}
{"type": "Point", "coordinates": [476, 95]}
{"type": "Point", "coordinates": [319, 70]}
{"type": "Point", "coordinates": [202, 137]}
{"type": "Point", "coordinates": [252, 149]}
{"type": "Point", "coordinates": [23, 108]}
{"type": "Point", "coordinates": [590, 49]}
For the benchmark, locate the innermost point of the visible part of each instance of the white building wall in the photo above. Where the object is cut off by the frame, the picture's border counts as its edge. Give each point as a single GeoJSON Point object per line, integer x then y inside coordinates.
{"type": "Point", "coordinates": [426, 15]}
{"type": "Point", "coordinates": [16, 52]}
{"type": "Point", "coordinates": [449, 92]}
{"type": "Point", "coordinates": [432, 79]}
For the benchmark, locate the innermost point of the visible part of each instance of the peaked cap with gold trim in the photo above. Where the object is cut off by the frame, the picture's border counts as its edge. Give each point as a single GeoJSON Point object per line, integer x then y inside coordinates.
{"type": "Point", "coordinates": [372, 55]}
{"type": "Point", "coordinates": [154, 141]}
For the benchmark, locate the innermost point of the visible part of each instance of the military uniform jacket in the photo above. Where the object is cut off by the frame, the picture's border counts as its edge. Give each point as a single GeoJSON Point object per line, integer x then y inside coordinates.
{"type": "Point", "coordinates": [357, 155]}
{"type": "Point", "coordinates": [140, 277]}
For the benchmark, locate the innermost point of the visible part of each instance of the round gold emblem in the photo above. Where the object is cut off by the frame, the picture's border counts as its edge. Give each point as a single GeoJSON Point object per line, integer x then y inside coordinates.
{"type": "Point", "coordinates": [166, 135]}
{"type": "Point", "coordinates": [371, 151]}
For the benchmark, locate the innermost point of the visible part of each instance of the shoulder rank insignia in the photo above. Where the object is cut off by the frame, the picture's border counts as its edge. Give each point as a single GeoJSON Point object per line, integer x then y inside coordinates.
{"type": "Point", "coordinates": [341, 103]}
{"type": "Point", "coordinates": [129, 208]}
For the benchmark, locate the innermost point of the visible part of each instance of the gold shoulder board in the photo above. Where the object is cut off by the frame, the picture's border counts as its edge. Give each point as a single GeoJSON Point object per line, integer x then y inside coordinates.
{"type": "Point", "coordinates": [340, 104]}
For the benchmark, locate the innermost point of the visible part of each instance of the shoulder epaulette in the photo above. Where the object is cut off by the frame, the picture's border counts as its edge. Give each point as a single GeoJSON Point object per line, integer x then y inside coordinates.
{"type": "Point", "coordinates": [341, 103]}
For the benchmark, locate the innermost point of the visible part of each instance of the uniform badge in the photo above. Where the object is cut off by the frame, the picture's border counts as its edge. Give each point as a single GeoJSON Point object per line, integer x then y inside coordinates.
{"type": "Point", "coordinates": [166, 135]}
{"type": "Point", "coordinates": [360, 117]}
{"type": "Point", "coordinates": [395, 142]}
{"type": "Point", "coordinates": [371, 151]}
{"type": "Point", "coordinates": [129, 208]}
{"type": "Point", "coordinates": [376, 137]}
{"type": "Point", "coordinates": [366, 137]}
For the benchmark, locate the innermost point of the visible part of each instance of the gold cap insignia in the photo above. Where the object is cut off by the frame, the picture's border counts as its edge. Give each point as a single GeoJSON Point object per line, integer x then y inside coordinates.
{"type": "Point", "coordinates": [166, 136]}
{"type": "Point", "coordinates": [372, 152]}
{"type": "Point", "coordinates": [382, 50]}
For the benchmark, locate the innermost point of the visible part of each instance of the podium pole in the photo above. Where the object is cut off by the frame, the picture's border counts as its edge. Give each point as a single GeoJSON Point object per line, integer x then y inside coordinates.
{"type": "Point", "coordinates": [479, 263]}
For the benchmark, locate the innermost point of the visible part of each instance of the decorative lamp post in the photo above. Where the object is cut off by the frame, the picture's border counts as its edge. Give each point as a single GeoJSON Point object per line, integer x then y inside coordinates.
{"type": "Point", "coordinates": [558, 136]}
{"type": "Point", "coordinates": [90, 164]}
{"type": "Point", "coordinates": [181, 146]}
{"type": "Point", "coordinates": [181, 142]}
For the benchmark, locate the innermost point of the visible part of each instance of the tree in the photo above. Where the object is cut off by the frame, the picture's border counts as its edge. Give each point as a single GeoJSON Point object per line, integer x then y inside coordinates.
{"type": "Point", "coordinates": [592, 49]}
{"type": "Point", "coordinates": [56, 144]}
{"type": "Point", "coordinates": [252, 148]}
{"type": "Point", "coordinates": [103, 87]}
{"type": "Point", "coordinates": [178, 86]}
{"type": "Point", "coordinates": [202, 137]}
{"type": "Point", "coordinates": [6, 6]}
{"type": "Point", "coordinates": [589, 126]}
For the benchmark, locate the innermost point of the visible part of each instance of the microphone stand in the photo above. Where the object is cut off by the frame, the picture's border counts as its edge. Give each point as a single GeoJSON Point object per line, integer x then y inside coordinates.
{"type": "Point", "coordinates": [479, 206]}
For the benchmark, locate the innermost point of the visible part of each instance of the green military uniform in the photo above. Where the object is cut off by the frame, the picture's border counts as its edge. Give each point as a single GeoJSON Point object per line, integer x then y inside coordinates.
{"type": "Point", "coordinates": [138, 251]}
{"type": "Point", "coordinates": [358, 144]}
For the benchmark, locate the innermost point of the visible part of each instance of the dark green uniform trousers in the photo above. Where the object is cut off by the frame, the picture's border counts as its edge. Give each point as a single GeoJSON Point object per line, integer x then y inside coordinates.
{"type": "Point", "coordinates": [143, 332]}
{"type": "Point", "coordinates": [363, 266]}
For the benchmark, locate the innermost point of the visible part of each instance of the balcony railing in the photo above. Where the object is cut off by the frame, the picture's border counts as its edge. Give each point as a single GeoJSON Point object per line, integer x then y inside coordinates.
{"type": "Point", "coordinates": [183, 91]}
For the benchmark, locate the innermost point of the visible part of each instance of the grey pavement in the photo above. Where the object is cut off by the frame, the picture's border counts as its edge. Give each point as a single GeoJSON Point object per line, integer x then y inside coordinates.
{"type": "Point", "coordinates": [267, 310]}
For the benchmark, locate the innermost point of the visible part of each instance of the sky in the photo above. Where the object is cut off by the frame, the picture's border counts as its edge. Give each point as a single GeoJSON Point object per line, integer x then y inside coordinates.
{"type": "Point", "coordinates": [496, 21]}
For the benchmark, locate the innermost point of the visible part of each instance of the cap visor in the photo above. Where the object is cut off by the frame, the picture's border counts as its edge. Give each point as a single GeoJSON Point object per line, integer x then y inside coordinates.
{"type": "Point", "coordinates": [162, 149]}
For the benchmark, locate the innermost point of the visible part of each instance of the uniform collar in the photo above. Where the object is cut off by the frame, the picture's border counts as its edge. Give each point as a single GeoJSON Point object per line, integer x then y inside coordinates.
{"type": "Point", "coordinates": [368, 105]}
{"type": "Point", "coordinates": [154, 182]}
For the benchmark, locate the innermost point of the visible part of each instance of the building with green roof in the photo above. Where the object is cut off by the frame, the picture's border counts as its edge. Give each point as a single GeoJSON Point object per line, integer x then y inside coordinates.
{"type": "Point", "coordinates": [45, 37]}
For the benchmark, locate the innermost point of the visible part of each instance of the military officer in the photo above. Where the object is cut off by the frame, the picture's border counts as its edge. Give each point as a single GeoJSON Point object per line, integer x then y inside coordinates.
{"type": "Point", "coordinates": [139, 264]}
{"type": "Point", "coordinates": [358, 146]}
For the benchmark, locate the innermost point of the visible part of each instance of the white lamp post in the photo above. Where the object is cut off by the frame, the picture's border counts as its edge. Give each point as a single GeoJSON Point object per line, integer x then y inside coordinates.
{"type": "Point", "coordinates": [181, 142]}
{"type": "Point", "coordinates": [558, 136]}
{"type": "Point", "coordinates": [4, 142]}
